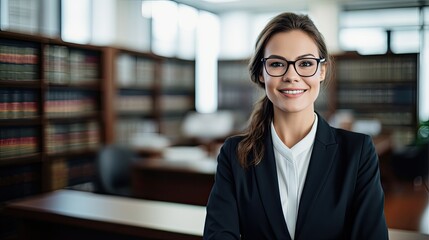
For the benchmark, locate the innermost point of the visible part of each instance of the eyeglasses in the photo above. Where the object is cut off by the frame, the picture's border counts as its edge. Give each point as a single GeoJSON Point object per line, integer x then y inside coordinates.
{"type": "Point", "coordinates": [305, 67]}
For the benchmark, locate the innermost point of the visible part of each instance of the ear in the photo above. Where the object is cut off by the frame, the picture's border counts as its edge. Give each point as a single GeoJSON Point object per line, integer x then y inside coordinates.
{"type": "Point", "coordinates": [261, 78]}
{"type": "Point", "coordinates": [322, 75]}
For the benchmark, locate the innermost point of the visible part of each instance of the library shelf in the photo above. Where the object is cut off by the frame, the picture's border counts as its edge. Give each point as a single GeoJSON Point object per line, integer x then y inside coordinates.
{"type": "Point", "coordinates": [61, 101]}
{"type": "Point", "coordinates": [382, 87]}
{"type": "Point", "coordinates": [50, 94]}
{"type": "Point", "coordinates": [72, 154]}
{"type": "Point", "coordinates": [20, 84]}
{"type": "Point", "coordinates": [21, 121]}
{"type": "Point", "coordinates": [22, 159]}
{"type": "Point", "coordinates": [146, 87]}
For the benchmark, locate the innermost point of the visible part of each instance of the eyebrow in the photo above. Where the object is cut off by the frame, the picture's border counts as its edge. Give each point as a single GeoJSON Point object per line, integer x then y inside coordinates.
{"type": "Point", "coordinates": [301, 56]}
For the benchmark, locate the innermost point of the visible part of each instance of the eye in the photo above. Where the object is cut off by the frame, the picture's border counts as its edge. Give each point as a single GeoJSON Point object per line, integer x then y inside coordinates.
{"type": "Point", "coordinates": [274, 63]}
{"type": "Point", "coordinates": [306, 63]}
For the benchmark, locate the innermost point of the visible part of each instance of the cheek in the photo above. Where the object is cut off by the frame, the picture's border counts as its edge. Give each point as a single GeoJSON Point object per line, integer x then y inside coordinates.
{"type": "Point", "coordinates": [270, 83]}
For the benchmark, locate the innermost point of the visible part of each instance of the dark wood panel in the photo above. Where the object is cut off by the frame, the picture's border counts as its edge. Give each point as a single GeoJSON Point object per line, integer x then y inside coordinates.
{"type": "Point", "coordinates": [173, 181]}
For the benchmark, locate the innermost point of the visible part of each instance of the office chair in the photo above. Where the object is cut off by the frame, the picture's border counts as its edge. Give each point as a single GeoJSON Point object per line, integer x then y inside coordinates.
{"type": "Point", "coordinates": [114, 170]}
{"type": "Point", "coordinates": [411, 161]}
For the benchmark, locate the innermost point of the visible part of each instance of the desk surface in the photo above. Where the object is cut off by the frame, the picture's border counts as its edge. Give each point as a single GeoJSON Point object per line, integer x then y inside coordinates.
{"type": "Point", "coordinates": [162, 216]}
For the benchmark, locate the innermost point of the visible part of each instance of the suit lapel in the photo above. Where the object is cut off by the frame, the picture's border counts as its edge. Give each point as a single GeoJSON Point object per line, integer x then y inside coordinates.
{"type": "Point", "coordinates": [324, 150]}
{"type": "Point", "coordinates": [266, 178]}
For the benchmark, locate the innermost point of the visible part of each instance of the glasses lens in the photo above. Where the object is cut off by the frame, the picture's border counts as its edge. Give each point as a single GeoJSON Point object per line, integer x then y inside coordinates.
{"type": "Point", "coordinates": [275, 66]}
{"type": "Point", "coordinates": [306, 67]}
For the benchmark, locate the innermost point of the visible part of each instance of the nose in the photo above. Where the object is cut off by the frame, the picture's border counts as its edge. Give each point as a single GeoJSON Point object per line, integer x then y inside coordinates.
{"type": "Point", "coordinates": [290, 74]}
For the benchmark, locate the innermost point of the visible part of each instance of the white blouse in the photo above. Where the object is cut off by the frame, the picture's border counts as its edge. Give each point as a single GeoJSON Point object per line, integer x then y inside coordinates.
{"type": "Point", "coordinates": [292, 165]}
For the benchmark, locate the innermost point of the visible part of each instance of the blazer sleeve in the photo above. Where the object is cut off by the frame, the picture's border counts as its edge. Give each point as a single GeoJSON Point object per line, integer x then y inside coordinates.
{"type": "Point", "coordinates": [222, 220]}
{"type": "Point", "coordinates": [368, 203]}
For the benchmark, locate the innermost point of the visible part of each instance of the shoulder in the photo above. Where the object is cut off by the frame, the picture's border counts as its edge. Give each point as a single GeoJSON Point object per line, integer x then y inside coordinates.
{"type": "Point", "coordinates": [354, 143]}
{"type": "Point", "coordinates": [232, 142]}
{"type": "Point", "coordinates": [342, 134]}
{"type": "Point", "coordinates": [331, 135]}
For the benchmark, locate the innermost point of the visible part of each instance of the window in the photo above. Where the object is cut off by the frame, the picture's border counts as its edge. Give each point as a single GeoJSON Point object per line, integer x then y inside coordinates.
{"type": "Point", "coordinates": [164, 28]}
{"type": "Point", "coordinates": [206, 62]}
{"type": "Point", "coordinates": [76, 21]}
{"type": "Point", "coordinates": [364, 40]}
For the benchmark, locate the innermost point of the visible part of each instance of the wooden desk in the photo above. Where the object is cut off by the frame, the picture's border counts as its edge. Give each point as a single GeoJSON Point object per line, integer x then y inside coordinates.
{"type": "Point", "coordinates": [173, 181]}
{"type": "Point", "coordinates": [69, 214]}
{"type": "Point", "coordinates": [397, 234]}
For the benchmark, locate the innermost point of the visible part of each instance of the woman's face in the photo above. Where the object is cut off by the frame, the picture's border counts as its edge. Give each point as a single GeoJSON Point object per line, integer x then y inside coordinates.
{"type": "Point", "coordinates": [292, 93]}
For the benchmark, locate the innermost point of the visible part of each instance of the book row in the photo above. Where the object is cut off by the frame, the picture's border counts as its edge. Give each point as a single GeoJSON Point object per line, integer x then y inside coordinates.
{"type": "Point", "coordinates": [404, 95]}
{"type": "Point", "coordinates": [141, 72]}
{"type": "Point", "coordinates": [19, 181]}
{"type": "Point", "coordinates": [66, 65]}
{"type": "Point", "coordinates": [380, 69]}
{"type": "Point", "coordinates": [389, 118]}
{"type": "Point", "coordinates": [177, 75]}
{"type": "Point", "coordinates": [134, 71]}
{"type": "Point", "coordinates": [72, 137]}
{"type": "Point", "coordinates": [69, 172]}
{"type": "Point", "coordinates": [18, 141]}
{"type": "Point", "coordinates": [18, 103]}
{"type": "Point", "coordinates": [233, 72]}
{"type": "Point", "coordinates": [70, 103]}
{"type": "Point", "coordinates": [134, 103]}
{"type": "Point", "coordinates": [18, 62]}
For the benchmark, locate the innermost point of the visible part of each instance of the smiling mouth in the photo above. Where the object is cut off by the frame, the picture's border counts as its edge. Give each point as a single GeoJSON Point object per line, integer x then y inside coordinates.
{"type": "Point", "coordinates": [292, 91]}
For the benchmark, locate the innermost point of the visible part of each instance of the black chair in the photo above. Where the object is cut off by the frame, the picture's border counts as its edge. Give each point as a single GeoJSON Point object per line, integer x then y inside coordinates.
{"type": "Point", "coordinates": [114, 170]}
{"type": "Point", "coordinates": [411, 162]}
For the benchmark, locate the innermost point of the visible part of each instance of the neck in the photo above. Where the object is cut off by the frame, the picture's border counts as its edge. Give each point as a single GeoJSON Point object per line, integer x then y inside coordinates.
{"type": "Point", "coordinates": [293, 127]}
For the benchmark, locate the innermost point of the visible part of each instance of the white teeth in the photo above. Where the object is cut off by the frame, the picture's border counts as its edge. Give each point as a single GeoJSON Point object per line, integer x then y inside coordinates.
{"type": "Point", "coordinates": [293, 91]}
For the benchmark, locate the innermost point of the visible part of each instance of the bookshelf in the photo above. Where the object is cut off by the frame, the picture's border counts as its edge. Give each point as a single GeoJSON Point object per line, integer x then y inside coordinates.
{"type": "Point", "coordinates": [151, 94]}
{"type": "Point", "coordinates": [135, 88]}
{"type": "Point", "coordinates": [50, 113]}
{"type": "Point", "coordinates": [236, 92]}
{"type": "Point", "coordinates": [59, 102]}
{"type": "Point", "coordinates": [176, 95]}
{"type": "Point", "coordinates": [382, 87]}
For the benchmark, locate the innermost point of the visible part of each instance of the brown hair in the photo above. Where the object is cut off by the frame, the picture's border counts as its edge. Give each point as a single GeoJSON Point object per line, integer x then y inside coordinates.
{"type": "Point", "coordinates": [252, 144]}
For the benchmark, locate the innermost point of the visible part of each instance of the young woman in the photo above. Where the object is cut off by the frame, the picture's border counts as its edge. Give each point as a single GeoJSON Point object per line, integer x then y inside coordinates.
{"type": "Point", "coordinates": [290, 175]}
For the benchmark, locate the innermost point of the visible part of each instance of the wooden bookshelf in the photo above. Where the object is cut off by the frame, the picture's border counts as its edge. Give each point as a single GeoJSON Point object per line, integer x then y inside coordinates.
{"type": "Point", "coordinates": [382, 87]}
{"type": "Point", "coordinates": [50, 105]}
{"type": "Point", "coordinates": [59, 102]}
{"type": "Point", "coordinates": [235, 90]}
{"type": "Point", "coordinates": [150, 93]}
{"type": "Point", "coordinates": [133, 89]}
{"type": "Point", "coordinates": [176, 96]}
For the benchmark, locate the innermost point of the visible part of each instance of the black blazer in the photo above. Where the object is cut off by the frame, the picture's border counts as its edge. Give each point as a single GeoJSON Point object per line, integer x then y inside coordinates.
{"type": "Point", "coordinates": [342, 196]}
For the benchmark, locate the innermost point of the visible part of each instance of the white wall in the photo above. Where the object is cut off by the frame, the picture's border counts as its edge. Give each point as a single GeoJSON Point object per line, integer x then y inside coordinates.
{"type": "Point", "coordinates": [239, 30]}
{"type": "Point", "coordinates": [103, 22]}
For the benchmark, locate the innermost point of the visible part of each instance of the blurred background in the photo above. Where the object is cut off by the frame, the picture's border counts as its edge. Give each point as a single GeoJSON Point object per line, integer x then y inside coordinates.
{"type": "Point", "coordinates": [105, 95]}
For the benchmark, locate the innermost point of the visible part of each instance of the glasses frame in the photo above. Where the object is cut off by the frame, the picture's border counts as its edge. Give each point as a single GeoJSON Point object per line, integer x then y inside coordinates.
{"type": "Point", "coordinates": [318, 60]}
